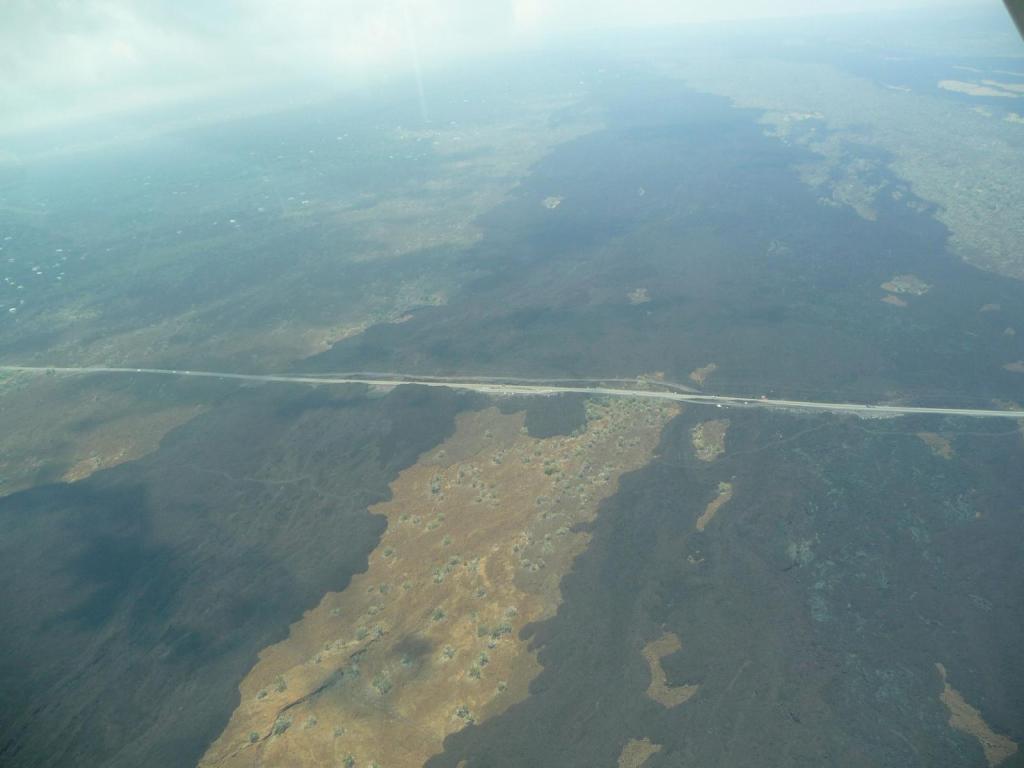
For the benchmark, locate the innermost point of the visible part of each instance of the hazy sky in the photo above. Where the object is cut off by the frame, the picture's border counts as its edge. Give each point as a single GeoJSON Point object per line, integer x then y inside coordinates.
{"type": "Point", "coordinates": [67, 59]}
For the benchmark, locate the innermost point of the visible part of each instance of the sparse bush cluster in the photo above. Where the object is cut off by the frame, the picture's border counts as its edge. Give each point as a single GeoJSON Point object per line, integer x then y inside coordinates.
{"type": "Point", "coordinates": [382, 684]}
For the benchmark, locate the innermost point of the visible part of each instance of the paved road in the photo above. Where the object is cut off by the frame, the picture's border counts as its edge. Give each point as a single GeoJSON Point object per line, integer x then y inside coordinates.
{"type": "Point", "coordinates": [492, 386]}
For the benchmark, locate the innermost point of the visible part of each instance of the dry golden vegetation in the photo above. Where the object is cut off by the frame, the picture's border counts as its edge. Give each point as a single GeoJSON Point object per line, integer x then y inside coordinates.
{"type": "Point", "coordinates": [659, 690]}
{"type": "Point", "coordinates": [479, 534]}
{"type": "Point", "coordinates": [94, 428]}
{"type": "Point", "coordinates": [636, 752]}
{"type": "Point", "coordinates": [702, 374]}
{"type": "Point", "coordinates": [723, 497]}
{"type": "Point", "coordinates": [709, 439]}
{"type": "Point", "coordinates": [125, 439]}
{"type": "Point", "coordinates": [939, 445]}
{"type": "Point", "coordinates": [963, 717]}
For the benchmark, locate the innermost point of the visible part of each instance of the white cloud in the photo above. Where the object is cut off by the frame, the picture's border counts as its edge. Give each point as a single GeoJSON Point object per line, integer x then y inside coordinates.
{"type": "Point", "coordinates": [80, 58]}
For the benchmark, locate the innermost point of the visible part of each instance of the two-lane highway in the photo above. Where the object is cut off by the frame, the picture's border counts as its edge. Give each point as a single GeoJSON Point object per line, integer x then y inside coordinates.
{"type": "Point", "coordinates": [518, 386]}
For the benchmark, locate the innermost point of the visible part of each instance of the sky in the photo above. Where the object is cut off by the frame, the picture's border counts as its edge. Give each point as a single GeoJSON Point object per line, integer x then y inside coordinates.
{"type": "Point", "coordinates": [68, 60]}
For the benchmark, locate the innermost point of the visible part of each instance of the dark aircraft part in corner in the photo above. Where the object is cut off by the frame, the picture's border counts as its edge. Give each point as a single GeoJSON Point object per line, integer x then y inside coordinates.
{"type": "Point", "coordinates": [1016, 9]}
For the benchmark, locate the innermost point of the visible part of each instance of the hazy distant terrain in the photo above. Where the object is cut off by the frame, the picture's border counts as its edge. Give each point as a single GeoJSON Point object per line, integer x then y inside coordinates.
{"type": "Point", "coordinates": [207, 572]}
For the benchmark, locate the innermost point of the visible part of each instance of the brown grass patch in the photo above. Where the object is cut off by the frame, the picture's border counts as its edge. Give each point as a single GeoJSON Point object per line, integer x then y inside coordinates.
{"type": "Point", "coordinates": [709, 439]}
{"type": "Point", "coordinates": [939, 445]}
{"type": "Point", "coordinates": [965, 718]}
{"type": "Point", "coordinates": [723, 497]}
{"type": "Point", "coordinates": [480, 532]}
{"type": "Point", "coordinates": [659, 690]}
{"type": "Point", "coordinates": [636, 752]}
{"type": "Point", "coordinates": [126, 439]}
{"type": "Point", "coordinates": [95, 427]}
{"type": "Point", "coordinates": [700, 375]}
